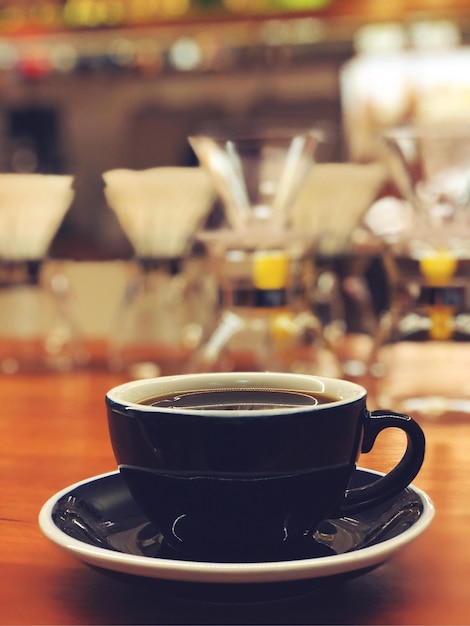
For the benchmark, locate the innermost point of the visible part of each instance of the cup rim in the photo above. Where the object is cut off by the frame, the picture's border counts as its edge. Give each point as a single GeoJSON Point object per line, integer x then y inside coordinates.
{"type": "Point", "coordinates": [129, 395]}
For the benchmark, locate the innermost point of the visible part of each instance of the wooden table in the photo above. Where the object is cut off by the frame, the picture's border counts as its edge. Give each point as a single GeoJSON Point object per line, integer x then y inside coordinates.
{"type": "Point", "coordinates": [53, 432]}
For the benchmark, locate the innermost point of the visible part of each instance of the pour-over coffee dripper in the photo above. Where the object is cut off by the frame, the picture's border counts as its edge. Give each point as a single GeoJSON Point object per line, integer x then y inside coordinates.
{"type": "Point", "coordinates": [263, 266]}
{"type": "Point", "coordinates": [427, 254]}
{"type": "Point", "coordinates": [38, 326]}
{"type": "Point", "coordinates": [168, 297]}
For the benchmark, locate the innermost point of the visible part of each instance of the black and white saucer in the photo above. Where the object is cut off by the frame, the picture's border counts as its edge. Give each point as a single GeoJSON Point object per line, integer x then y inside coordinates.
{"type": "Point", "coordinates": [98, 522]}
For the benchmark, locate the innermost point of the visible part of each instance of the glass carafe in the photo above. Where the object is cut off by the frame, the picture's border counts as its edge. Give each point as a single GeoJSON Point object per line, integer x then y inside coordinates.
{"type": "Point", "coordinates": [160, 322]}
{"type": "Point", "coordinates": [169, 294]}
{"type": "Point", "coordinates": [265, 320]}
{"type": "Point", "coordinates": [261, 264]}
{"type": "Point", "coordinates": [427, 255]}
{"type": "Point", "coordinates": [39, 328]}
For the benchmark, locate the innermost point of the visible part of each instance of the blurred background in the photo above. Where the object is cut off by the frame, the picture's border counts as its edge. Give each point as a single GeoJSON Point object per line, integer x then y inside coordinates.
{"type": "Point", "coordinates": [91, 85]}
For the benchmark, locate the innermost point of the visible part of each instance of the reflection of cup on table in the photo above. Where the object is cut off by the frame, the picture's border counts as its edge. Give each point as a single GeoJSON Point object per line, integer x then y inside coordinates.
{"type": "Point", "coordinates": [248, 464]}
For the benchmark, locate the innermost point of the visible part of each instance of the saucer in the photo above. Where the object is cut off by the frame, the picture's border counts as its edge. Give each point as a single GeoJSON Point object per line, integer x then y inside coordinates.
{"type": "Point", "coordinates": [98, 522]}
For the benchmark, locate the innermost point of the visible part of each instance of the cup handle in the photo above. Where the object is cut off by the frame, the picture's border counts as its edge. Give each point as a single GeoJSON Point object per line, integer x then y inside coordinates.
{"type": "Point", "coordinates": [401, 475]}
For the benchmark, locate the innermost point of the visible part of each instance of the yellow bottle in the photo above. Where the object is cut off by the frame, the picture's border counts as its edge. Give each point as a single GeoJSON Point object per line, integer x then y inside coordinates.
{"type": "Point", "coordinates": [438, 270]}
{"type": "Point", "coordinates": [271, 278]}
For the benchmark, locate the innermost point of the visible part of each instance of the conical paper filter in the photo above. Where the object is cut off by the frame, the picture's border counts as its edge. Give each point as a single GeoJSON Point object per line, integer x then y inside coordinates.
{"type": "Point", "coordinates": [160, 209]}
{"type": "Point", "coordinates": [32, 207]}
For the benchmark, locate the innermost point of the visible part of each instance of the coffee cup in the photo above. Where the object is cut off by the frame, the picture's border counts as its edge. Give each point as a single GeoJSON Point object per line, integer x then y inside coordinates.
{"type": "Point", "coordinates": [240, 465]}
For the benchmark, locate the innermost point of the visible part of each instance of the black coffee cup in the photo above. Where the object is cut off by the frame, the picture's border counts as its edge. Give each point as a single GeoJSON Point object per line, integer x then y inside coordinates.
{"type": "Point", "coordinates": [238, 464]}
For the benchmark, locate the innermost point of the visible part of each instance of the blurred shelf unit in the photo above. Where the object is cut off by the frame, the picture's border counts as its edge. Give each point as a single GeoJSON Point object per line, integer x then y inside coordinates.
{"type": "Point", "coordinates": [154, 37]}
{"type": "Point", "coordinates": [18, 16]}
{"type": "Point", "coordinates": [189, 48]}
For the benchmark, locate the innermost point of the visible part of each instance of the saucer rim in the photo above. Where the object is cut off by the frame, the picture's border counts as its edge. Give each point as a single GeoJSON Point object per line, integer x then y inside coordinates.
{"type": "Point", "coordinates": [215, 572]}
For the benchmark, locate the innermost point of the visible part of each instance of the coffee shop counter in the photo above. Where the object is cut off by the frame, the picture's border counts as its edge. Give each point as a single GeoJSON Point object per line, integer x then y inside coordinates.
{"type": "Point", "coordinates": [54, 434]}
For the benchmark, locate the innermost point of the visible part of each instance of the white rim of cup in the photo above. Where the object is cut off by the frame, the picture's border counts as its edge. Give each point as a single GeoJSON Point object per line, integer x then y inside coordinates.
{"type": "Point", "coordinates": [131, 394]}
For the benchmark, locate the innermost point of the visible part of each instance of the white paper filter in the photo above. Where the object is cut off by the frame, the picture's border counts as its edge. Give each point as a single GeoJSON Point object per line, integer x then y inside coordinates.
{"type": "Point", "coordinates": [32, 207]}
{"type": "Point", "coordinates": [160, 209]}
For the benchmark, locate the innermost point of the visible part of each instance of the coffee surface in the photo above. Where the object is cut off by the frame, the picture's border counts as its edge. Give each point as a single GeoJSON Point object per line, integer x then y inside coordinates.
{"type": "Point", "coordinates": [239, 399]}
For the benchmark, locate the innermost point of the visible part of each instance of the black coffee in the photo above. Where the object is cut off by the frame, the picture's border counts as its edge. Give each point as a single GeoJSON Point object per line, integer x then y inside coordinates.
{"type": "Point", "coordinates": [239, 399]}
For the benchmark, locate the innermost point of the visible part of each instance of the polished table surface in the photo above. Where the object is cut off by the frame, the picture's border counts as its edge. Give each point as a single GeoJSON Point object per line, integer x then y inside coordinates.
{"type": "Point", "coordinates": [53, 433]}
